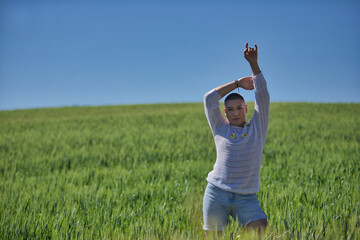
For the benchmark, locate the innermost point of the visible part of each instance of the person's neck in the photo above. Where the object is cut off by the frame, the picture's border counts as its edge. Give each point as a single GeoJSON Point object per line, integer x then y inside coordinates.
{"type": "Point", "coordinates": [239, 125]}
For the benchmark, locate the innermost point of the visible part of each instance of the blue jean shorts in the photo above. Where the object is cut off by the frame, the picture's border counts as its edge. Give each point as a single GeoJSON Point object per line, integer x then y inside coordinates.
{"type": "Point", "coordinates": [218, 205]}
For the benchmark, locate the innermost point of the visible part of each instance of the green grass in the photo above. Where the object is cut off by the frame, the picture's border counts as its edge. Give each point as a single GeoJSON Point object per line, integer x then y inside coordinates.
{"type": "Point", "coordinates": [138, 172]}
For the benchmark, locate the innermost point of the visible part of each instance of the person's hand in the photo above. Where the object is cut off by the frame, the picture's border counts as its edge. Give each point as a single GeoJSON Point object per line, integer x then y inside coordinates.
{"type": "Point", "coordinates": [246, 83]}
{"type": "Point", "coordinates": [250, 54]}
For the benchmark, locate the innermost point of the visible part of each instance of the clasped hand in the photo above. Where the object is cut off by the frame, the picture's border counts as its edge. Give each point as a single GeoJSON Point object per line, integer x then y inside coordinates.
{"type": "Point", "coordinates": [246, 83]}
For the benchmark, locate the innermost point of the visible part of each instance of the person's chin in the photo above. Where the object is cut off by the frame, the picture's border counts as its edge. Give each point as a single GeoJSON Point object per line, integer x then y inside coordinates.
{"type": "Point", "coordinates": [235, 122]}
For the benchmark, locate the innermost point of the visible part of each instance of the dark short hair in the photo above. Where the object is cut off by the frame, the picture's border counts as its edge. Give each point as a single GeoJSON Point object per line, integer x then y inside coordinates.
{"type": "Point", "coordinates": [233, 96]}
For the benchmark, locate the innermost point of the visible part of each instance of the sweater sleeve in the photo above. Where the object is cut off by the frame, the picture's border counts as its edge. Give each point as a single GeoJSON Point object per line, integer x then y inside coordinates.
{"type": "Point", "coordinates": [212, 111]}
{"type": "Point", "coordinates": [262, 104]}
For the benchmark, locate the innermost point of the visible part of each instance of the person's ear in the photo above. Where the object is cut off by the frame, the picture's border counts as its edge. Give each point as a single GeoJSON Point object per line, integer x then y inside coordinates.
{"type": "Point", "coordinates": [225, 111]}
{"type": "Point", "coordinates": [245, 108]}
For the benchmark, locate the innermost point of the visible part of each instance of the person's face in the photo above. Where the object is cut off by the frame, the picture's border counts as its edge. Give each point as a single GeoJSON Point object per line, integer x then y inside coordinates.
{"type": "Point", "coordinates": [235, 111]}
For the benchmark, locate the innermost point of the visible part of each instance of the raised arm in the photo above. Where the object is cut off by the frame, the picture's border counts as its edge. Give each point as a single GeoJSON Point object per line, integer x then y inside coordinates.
{"type": "Point", "coordinates": [262, 98]}
{"type": "Point", "coordinates": [244, 82]}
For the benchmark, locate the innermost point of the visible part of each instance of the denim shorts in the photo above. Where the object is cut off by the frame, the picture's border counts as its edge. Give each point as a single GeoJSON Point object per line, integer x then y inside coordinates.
{"type": "Point", "coordinates": [218, 205]}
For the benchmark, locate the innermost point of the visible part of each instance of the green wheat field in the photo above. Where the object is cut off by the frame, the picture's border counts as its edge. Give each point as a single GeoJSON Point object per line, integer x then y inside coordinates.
{"type": "Point", "coordinates": [138, 172]}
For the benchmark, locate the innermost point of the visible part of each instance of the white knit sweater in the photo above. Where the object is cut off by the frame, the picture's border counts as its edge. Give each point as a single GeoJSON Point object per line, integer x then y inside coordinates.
{"type": "Point", "coordinates": [239, 149]}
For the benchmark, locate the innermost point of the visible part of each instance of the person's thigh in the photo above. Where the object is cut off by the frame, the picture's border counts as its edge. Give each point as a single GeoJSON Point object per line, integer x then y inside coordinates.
{"type": "Point", "coordinates": [246, 209]}
{"type": "Point", "coordinates": [215, 208]}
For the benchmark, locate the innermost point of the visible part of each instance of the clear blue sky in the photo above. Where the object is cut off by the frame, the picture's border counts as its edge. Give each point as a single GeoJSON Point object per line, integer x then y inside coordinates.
{"type": "Point", "coordinates": [65, 53]}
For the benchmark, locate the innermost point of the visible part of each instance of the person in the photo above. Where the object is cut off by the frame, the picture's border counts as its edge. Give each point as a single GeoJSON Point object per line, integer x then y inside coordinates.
{"type": "Point", "coordinates": [234, 181]}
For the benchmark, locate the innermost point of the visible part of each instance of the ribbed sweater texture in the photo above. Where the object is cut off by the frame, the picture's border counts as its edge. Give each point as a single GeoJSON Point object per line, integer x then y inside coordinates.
{"type": "Point", "coordinates": [238, 149]}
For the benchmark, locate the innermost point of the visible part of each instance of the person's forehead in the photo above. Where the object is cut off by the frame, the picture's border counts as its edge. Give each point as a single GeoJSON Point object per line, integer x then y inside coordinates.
{"type": "Point", "coordinates": [234, 103]}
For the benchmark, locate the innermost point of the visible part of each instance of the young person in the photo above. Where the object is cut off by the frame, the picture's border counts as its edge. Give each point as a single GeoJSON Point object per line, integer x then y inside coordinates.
{"type": "Point", "coordinates": [234, 181]}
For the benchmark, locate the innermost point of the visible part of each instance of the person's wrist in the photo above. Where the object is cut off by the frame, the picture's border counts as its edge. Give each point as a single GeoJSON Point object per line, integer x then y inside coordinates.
{"type": "Point", "coordinates": [255, 68]}
{"type": "Point", "coordinates": [253, 63]}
